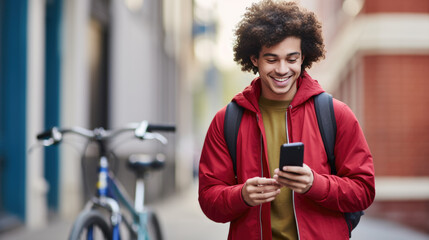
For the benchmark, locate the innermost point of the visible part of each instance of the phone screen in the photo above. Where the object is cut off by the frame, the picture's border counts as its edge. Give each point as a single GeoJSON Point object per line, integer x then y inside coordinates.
{"type": "Point", "coordinates": [291, 154]}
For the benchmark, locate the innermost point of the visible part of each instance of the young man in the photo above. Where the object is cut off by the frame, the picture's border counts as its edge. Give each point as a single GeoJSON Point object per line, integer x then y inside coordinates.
{"type": "Point", "coordinates": [279, 40]}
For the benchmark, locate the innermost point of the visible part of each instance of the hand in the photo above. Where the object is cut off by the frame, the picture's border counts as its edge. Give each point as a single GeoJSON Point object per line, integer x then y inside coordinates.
{"type": "Point", "coordinates": [259, 190]}
{"type": "Point", "coordinates": [299, 179]}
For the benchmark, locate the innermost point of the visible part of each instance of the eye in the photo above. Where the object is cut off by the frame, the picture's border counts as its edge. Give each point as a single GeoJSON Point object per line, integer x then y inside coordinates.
{"type": "Point", "coordinates": [292, 60]}
{"type": "Point", "coordinates": [271, 60]}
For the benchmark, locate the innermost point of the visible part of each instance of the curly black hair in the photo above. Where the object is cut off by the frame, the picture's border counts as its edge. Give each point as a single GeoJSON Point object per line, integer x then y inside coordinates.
{"type": "Point", "coordinates": [269, 22]}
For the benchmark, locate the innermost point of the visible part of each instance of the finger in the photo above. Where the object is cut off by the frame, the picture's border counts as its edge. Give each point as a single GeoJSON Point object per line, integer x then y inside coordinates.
{"type": "Point", "coordinates": [264, 188]}
{"type": "Point", "coordinates": [253, 189]}
{"type": "Point", "coordinates": [272, 187]}
{"type": "Point", "coordinates": [291, 183]}
{"type": "Point", "coordinates": [260, 198]}
{"type": "Point", "coordinates": [266, 181]}
{"type": "Point", "coordinates": [281, 177]}
{"type": "Point", "coordinates": [266, 200]}
{"type": "Point", "coordinates": [305, 169]}
{"type": "Point", "coordinates": [252, 181]}
{"type": "Point", "coordinates": [261, 181]}
{"type": "Point", "coordinates": [265, 195]}
{"type": "Point", "coordinates": [285, 181]}
{"type": "Point", "coordinates": [297, 179]}
{"type": "Point", "coordinates": [280, 173]}
{"type": "Point", "coordinates": [293, 169]}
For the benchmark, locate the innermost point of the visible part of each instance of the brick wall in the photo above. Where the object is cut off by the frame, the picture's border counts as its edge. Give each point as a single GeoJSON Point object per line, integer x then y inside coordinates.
{"type": "Point", "coordinates": [396, 113]}
{"type": "Point", "coordinates": [396, 6]}
{"type": "Point", "coordinates": [390, 96]}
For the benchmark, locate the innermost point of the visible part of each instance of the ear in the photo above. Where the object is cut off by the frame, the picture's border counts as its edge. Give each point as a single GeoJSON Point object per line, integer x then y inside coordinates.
{"type": "Point", "coordinates": [254, 60]}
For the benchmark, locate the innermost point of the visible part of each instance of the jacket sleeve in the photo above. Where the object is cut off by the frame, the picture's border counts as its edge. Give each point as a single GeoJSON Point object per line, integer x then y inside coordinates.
{"type": "Point", "coordinates": [219, 196]}
{"type": "Point", "coordinates": [353, 188]}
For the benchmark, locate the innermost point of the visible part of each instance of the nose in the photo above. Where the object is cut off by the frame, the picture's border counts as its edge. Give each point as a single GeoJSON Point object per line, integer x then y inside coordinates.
{"type": "Point", "coordinates": [282, 68]}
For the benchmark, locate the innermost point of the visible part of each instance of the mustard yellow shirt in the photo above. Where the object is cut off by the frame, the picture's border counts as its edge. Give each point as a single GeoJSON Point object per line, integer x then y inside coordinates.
{"type": "Point", "coordinates": [283, 223]}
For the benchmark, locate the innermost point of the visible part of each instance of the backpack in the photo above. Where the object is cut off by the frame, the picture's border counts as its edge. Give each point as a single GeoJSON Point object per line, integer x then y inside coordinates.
{"type": "Point", "coordinates": [324, 108]}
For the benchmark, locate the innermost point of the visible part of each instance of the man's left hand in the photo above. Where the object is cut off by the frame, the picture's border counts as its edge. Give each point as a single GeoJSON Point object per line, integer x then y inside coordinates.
{"type": "Point", "coordinates": [299, 179]}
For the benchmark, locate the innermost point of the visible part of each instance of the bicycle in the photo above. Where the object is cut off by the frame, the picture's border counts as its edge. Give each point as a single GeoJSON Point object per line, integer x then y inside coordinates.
{"type": "Point", "coordinates": [91, 223]}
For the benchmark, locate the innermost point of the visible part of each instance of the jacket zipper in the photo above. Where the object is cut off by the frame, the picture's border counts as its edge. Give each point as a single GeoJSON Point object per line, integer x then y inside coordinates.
{"type": "Point", "coordinates": [262, 175]}
{"type": "Point", "coordinates": [293, 193]}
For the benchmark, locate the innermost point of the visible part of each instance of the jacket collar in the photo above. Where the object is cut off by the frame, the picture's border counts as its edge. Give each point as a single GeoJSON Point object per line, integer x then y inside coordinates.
{"type": "Point", "coordinates": [307, 88]}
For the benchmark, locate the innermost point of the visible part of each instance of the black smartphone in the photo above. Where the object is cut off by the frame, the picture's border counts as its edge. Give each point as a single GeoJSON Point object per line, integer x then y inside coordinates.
{"type": "Point", "coordinates": [291, 154]}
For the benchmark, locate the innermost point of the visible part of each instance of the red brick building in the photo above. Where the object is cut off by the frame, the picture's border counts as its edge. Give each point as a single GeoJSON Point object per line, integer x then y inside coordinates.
{"type": "Point", "coordinates": [378, 63]}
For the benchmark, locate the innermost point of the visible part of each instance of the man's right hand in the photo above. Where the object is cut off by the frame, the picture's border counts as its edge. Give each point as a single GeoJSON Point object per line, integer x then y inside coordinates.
{"type": "Point", "coordinates": [259, 190]}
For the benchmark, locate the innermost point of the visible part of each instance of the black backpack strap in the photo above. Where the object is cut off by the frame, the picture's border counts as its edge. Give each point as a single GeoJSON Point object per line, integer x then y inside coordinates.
{"type": "Point", "coordinates": [324, 107]}
{"type": "Point", "coordinates": [233, 115]}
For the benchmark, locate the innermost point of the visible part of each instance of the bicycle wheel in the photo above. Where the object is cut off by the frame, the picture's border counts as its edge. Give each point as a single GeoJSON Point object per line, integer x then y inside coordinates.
{"type": "Point", "coordinates": [90, 225]}
{"type": "Point", "coordinates": [153, 227]}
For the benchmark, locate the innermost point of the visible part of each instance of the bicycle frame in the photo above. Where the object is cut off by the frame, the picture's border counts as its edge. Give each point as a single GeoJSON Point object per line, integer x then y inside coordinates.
{"type": "Point", "coordinates": [110, 195]}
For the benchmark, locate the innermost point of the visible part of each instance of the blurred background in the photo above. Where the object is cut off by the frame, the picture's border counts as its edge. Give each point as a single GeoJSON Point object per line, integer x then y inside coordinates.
{"type": "Point", "coordinates": [105, 63]}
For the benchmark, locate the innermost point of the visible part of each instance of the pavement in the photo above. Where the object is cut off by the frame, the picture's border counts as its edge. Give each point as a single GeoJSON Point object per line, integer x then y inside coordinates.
{"type": "Point", "coordinates": [181, 219]}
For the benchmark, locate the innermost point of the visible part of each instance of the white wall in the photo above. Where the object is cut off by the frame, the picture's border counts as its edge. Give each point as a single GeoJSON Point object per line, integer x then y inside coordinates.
{"type": "Point", "coordinates": [74, 99]}
{"type": "Point", "coordinates": [151, 75]}
{"type": "Point", "coordinates": [36, 207]}
{"type": "Point", "coordinates": [139, 89]}
{"type": "Point", "coordinates": [133, 65]}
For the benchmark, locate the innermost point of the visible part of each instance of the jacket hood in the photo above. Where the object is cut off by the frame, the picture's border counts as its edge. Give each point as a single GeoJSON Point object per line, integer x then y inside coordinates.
{"type": "Point", "coordinates": [307, 88]}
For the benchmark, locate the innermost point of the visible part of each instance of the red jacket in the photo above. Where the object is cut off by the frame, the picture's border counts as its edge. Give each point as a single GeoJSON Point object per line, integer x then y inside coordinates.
{"type": "Point", "coordinates": [319, 212]}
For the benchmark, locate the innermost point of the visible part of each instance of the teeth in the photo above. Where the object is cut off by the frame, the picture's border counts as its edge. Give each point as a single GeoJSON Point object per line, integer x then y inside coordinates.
{"type": "Point", "coordinates": [282, 79]}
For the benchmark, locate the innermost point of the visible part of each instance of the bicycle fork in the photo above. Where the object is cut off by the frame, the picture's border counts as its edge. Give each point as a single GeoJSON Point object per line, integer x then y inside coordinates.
{"type": "Point", "coordinates": [105, 201]}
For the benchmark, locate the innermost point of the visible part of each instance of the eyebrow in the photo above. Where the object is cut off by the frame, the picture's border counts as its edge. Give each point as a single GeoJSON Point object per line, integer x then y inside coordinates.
{"type": "Point", "coordinates": [275, 55]}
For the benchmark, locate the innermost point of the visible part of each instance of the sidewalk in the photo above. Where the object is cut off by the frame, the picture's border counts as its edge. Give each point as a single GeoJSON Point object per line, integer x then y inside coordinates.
{"type": "Point", "coordinates": [182, 219]}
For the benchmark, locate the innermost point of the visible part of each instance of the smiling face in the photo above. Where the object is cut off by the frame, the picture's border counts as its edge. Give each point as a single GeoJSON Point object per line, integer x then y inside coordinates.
{"type": "Point", "coordinates": [279, 67]}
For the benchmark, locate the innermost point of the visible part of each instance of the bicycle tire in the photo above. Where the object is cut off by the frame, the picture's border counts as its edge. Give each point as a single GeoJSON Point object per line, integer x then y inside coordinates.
{"type": "Point", "coordinates": [87, 219]}
{"type": "Point", "coordinates": [153, 227]}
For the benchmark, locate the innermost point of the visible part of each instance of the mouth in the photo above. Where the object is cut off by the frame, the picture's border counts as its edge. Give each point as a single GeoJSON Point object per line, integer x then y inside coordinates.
{"type": "Point", "coordinates": [283, 79]}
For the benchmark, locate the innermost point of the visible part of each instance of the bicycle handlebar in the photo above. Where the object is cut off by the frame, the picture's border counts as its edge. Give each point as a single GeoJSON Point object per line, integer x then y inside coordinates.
{"type": "Point", "coordinates": [141, 130]}
{"type": "Point", "coordinates": [44, 135]}
{"type": "Point", "coordinates": [165, 128]}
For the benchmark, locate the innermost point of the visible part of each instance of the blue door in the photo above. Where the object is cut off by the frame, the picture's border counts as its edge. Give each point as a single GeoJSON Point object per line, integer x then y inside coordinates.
{"type": "Point", "coordinates": [52, 95]}
{"type": "Point", "coordinates": [13, 70]}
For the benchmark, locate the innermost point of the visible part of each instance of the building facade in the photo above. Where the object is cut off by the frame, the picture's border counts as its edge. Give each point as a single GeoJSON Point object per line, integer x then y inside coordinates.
{"type": "Point", "coordinates": [377, 62]}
